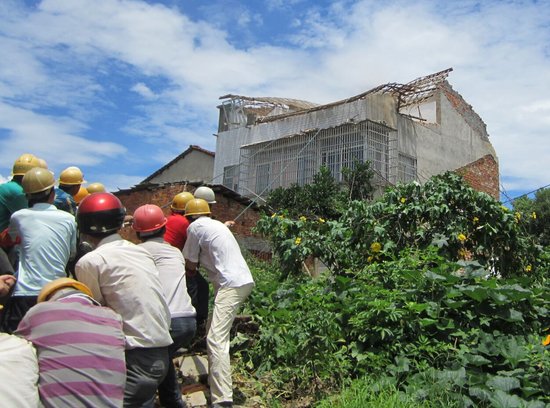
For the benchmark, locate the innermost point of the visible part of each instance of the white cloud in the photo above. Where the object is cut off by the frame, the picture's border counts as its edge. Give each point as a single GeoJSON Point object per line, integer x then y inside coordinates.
{"type": "Point", "coordinates": [52, 138]}
{"type": "Point", "coordinates": [143, 90]}
{"type": "Point", "coordinates": [65, 71]}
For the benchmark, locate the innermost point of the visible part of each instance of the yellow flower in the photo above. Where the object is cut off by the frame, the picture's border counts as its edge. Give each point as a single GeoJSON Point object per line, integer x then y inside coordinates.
{"type": "Point", "coordinates": [528, 268]}
{"type": "Point", "coordinates": [461, 237]}
{"type": "Point", "coordinates": [375, 247]}
{"type": "Point", "coordinates": [534, 215]}
{"type": "Point", "coordinates": [517, 216]}
{"type": "Point", "coordinates": [546, 341]}
{"type": "Point", "coordinates": [504, 208]}
{"type": "Point", "coordinates": [273, 215]}
{"type": "Point", "coordinates": [403, 199]}
{"type": "Point", "coordinates": [281, 216]}
{"type": "Point", "coordinates": [298, 240]}
{"type": "Point", "coordinates": [321, 220]}
{"type": "Point", "coordinates": [476, 220]}
{"type": "Point", "coordinates": [303, 219]}
{"type": "Point", "coordinates": [369, 259]}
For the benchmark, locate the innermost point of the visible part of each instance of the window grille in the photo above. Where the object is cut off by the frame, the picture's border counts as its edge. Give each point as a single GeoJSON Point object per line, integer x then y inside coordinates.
{"type": "Point", "coordinates": [407, 168]}
{"type": "Point", "coordinates": [297, 158]}
{"type": "Point", "coordinates": [230, 177]}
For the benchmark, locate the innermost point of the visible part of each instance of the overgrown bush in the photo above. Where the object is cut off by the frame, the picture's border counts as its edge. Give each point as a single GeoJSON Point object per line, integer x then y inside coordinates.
{"type": "Point", "coordinates": [464, 223]}
{"type": "Point", "coordinates": [433, 287]}
{"type": "Point", "coordinates": [420, 322]}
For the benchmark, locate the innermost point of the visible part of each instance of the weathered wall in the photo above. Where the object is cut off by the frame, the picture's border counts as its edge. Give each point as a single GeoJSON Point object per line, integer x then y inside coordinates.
{"type": "Point", "coordinates": [225, 209]}
{"type": "Point", "coordinates": [483, 175]}
{"type": "Point", "coordinates": [448, 145]}
{"type": "Point", "coordinates": [196, 166]}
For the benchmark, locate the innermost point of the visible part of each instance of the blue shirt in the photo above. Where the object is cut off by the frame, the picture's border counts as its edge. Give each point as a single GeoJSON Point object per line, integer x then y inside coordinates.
{"type": "Point", "coordinates": [12, 199]}
{"type": "Point", "coordinates": [64, 201]}
{"type": "Point", "coordinates": [48, 241]}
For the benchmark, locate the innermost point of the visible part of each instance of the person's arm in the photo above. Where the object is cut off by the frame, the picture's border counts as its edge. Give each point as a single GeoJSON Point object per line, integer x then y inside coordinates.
{"type": "Point", "coordinates": [7, 241]}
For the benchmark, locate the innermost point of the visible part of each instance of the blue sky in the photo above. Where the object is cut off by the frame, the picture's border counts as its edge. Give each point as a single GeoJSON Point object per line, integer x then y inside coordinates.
{"type": "Point", "coordinates": [120, 87]}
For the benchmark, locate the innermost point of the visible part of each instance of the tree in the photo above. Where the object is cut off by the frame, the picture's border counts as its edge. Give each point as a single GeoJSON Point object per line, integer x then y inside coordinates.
{"type": "Point", "coordinates": [537, 210]}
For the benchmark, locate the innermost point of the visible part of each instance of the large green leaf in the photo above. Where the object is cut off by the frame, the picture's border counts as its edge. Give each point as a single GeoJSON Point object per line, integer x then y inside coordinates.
{"type": "Point", "coordinates": [501, 399]}
{"type": "Point", "coordinates": [480, 393]}
{"type": "Point", "coordinates": [476, 360]}
{"type": "Point", "coordinates": [475, 292]}
{"type": "Point", "coordinates": [457, 377]}
{"type": "Point", "coordinates": [503, 383]}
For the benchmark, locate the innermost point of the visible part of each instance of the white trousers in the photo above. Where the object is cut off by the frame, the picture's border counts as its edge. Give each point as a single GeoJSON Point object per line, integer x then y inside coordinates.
{"type": "Point", "coordinates": [226, 306]}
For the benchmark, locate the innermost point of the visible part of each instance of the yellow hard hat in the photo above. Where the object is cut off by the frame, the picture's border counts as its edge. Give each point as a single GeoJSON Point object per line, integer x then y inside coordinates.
{"type": "Point", "coordinates": [24, 163]}
{"type": "Point", "coordinates": [42, 163]}
{"type": "Point", "coordinates": [96, 188]}
{"type": "Point", "coordinates": [37, 180]}
{"type": "Point", "coordinates": [71, 176]}
{"type": "Point", "coordinates": [197, 206]}
{"type": "Point", "coordinates": [180, 201]}
{"type": "Point", "coordinates": [79, 196]}
{"type": "Point", "coordinates": [51, 287]}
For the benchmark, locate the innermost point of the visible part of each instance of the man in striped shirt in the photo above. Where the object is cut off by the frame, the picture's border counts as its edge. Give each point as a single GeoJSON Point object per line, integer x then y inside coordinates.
{"type": "Point", "coordinates": [80, 347]}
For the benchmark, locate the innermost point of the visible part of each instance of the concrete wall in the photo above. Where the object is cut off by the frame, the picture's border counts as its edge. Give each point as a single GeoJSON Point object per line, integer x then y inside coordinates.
{"type": "Point", "coordinates": [448, 145]}
{"type": "Point", "coordinates": [196, 166]}
{"type": "Point", "coordinates": [375, 107]}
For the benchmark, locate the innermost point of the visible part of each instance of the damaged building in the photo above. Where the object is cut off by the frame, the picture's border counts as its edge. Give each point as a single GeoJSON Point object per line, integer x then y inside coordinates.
{"type": "Point", "coordinates": [406, 131]}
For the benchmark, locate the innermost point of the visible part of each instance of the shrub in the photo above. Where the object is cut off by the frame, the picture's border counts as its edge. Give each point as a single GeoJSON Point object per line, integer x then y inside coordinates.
{"type": "Point", "coordinates": [465, 224]}
{"type": "Point", "coordinates": [421, 322]}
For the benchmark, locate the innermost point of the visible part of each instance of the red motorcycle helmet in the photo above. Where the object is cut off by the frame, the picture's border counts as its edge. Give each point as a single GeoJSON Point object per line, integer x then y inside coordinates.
{"type": "Point", "coordinates": [100, 214]}
{"type": "Point", "coordinates": [148, 218]}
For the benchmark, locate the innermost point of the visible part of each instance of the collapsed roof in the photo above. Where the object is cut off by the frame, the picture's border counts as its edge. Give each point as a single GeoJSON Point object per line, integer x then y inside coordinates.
{"type": "Point", "coordinates": [266, 109]}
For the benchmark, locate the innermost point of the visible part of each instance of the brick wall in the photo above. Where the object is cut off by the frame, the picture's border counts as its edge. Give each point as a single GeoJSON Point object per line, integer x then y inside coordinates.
{"type": "Point", "coordinates": [483, 175]}
{"type": "Point", "coordinates": [226, 207]}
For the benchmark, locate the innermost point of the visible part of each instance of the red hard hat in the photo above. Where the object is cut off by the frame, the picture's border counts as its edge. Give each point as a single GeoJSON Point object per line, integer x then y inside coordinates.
{"type": "Point", "coordinates": [100, 214]}
{"type": "Point", "coordinates": [148, 217]}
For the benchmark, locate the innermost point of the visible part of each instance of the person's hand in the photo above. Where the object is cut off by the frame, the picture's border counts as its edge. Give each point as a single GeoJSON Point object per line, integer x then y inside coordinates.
{"type": "Point", "coordinates": [229, 224]}
{"type": "Point", "coordinates": [6, 283]}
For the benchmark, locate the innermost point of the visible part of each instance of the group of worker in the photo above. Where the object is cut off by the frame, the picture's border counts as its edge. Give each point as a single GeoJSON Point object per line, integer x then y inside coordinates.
{"type": "Point", "coordinates": [104, 316]}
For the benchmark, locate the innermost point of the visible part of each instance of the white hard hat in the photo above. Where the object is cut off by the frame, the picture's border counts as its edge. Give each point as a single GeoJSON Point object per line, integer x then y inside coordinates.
{"type": "Point", "coordinates": [206, 193]}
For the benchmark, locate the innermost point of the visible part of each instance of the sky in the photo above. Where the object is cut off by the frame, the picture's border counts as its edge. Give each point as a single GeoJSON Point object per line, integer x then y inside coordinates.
{"type": "Point", "coordinates": [121, 87]}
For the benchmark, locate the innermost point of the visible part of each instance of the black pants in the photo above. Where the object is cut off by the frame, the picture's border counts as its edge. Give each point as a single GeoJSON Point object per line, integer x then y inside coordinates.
{"type": "Point", "coordinates": [6, 267]}
{"type": "Point", "coordinates": [198, 290]}
{"type": "Point", "coordinates": [16, 307]}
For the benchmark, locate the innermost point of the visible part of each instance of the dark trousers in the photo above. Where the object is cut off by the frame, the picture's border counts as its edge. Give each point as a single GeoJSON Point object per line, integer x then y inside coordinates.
{"type": "Point", "coordinates": [16, 307]}
{"type": "Point", "coordinates": [145, 370]}
{"type": "Point", "coordinates": [182, 330]}
{"type": "Point", "coordinates": [6, 267]}
{"type": "Point", "coordinates": [199, 291]}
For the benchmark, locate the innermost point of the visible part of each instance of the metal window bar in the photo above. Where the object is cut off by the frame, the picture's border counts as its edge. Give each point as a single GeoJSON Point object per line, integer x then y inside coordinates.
{"type": "Point", "coordinates": [297, 158]}
{"type": "Point", "coordinates": [407, 168]}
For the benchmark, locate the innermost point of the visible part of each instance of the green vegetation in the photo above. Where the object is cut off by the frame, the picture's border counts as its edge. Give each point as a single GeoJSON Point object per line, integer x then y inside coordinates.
{"type": "Point", "coordinates": [436, 294]}
{"type": "Point", "coordinates": [364, 393]}
{"type": "Point", "coordinates": [537, 213]}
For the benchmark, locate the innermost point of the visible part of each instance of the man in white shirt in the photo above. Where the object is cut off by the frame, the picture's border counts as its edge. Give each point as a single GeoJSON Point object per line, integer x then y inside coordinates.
{"type": "Point", "coordinates": [123, 276]}
{"type": "Point", "coordinates": [149, 223]}
{"type": "Point", "coordinates": [211, 243]}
